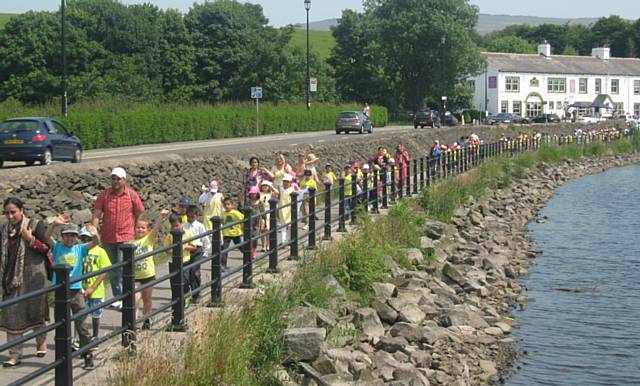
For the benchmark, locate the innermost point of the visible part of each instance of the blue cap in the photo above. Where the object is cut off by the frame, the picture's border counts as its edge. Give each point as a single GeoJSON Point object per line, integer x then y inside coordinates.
{"type": "Point", "coordinates": [184, 201]}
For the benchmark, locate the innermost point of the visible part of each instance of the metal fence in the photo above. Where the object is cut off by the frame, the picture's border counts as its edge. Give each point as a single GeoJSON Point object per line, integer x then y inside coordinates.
{"type": "Point", "coordinates": [371, 192]}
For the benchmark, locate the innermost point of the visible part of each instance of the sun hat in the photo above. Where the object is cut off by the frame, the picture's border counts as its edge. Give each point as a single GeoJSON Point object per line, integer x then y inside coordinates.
{"type": "Point", "coordinates": [254, 190]}
{"type": "Point", "coordinates": [184, 201]}
{"type": "Point", "coordinates": [119, 172]}
{"type": "Point", "coordinates": [287, 177]}
{"type": "Point", "coordinates": [311, 158]}
{"type": "Point", "coordinates": [213, 186]}
{"type": "Point", "coordinates": [266, 182]}
{"type": "Point", "coordinates": [365, 166]}
{"type": "Point", "coordinates": [70, 228]}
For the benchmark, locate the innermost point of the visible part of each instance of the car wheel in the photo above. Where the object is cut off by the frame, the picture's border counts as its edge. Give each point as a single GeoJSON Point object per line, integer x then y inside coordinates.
{"type": "Point", "coordinates": [415, 126]}
{"type": "Point", "coordinates": [30, 163]}
{"type": "Point", "coordinates": [46, 158]}
{"type": "Point", "coordinates": [77, 156]}
{"type": "Point", "coordinates": [370, 129]}
{"type": "Point", "coordinates": [361, 130]}
{"type": "Point", "coordinates": [1, 163]}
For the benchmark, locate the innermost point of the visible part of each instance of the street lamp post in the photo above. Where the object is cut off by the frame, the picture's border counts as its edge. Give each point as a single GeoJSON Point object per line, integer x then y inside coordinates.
{"type": "Point", "coordinates": [307, 7]}
{"type": "Point", "coordinates": [64, 59]}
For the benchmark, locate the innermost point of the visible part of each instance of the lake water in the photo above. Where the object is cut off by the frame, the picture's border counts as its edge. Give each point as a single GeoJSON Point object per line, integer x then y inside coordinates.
{"type": "Point", "coordinates": [591, 240]}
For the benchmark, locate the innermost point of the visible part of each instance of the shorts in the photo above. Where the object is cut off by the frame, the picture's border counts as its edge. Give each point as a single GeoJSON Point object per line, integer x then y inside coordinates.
{"type": "Point", "coordinates": [146, 280]}
{"type": "Point", "coordinates": [97, 314]}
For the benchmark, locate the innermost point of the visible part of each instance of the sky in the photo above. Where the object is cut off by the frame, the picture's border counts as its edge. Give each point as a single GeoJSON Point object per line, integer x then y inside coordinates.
{"type": "Point", "coordinates": [283, 12]}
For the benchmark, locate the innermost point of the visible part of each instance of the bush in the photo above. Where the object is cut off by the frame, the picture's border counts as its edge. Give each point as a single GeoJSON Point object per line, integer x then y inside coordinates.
{"type": "Point", "coordinates": [114, 123]}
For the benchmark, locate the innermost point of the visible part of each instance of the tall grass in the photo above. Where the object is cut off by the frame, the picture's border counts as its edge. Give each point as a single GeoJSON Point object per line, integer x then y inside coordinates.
{"type": "Point", "coordinates": [113, 123]}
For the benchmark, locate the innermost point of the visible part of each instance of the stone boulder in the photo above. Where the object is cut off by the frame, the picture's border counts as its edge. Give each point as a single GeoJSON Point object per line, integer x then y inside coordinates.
{"type": "Point", "coordinates": [302, 317]}
{"type": "Point", "coordinates": [368, 320]}
{"type": "Point", "coordinates": [303, 344]}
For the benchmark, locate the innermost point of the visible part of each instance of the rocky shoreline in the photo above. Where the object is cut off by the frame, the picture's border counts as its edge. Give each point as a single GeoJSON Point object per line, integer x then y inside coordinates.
{"type": "Point", "coordinates": [440, 323]}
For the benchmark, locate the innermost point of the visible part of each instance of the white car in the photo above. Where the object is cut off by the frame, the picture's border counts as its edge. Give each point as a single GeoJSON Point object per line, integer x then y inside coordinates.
{"type": "Point", "coordinates": [588, 119]}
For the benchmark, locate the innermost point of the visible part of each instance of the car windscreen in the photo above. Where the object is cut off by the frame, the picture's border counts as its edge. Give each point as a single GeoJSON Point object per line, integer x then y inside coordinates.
{"type": "Point", "coordinates": [423, 114]}
{"type": "Point", "coordinates": [15, 127]}
{"type": "Point", "coordinates": [348, 115]}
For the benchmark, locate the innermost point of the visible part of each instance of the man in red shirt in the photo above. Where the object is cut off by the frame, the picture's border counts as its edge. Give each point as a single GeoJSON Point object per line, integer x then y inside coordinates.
{"type": "Point", "coordinates": [119, 207]}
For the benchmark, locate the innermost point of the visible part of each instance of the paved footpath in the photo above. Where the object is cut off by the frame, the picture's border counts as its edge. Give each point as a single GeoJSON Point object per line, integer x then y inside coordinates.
{"type": "Point", "coordinates": [111, 319]}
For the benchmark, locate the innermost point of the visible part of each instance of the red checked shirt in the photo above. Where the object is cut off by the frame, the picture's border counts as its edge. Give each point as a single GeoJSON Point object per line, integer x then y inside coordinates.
{"type": "Point", "coordinates": [119, 213]}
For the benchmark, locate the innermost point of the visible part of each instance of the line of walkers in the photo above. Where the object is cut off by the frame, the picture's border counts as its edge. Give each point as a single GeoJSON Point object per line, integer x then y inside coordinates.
{"type": "Point", "coordinates": [28, 249]}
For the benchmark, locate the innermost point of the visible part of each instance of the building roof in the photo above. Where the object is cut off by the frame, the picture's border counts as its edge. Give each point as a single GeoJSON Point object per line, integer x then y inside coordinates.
{"type": "Point", "coordinates": [562, 64]}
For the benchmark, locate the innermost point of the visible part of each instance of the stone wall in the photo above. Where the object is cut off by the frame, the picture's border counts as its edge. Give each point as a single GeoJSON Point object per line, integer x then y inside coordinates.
{"type": "Point", "coordinates": [161, 180]}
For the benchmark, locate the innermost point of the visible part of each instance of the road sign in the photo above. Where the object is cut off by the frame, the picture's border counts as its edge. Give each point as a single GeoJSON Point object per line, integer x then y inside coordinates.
{"type": "Point", "coordinates": [313, 84]}
{"type": "Point", "coordinates": [256, 92]}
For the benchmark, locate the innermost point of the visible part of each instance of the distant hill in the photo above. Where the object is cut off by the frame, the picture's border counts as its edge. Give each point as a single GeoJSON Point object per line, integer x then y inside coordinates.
{"type": "Point", "coordinates": [320, 41]}
{"type": "Point", "coordinates": [4, 18]}
{"type": "Point", "coordinates": [486, 23]}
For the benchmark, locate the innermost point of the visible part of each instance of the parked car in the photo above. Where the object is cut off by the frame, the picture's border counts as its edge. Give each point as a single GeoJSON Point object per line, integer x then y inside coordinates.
{"type": "Point", "coordinates": [546, 118]}
{"type": "Point", "coordinates": [506, 118]}
{"type": "Point", "coordinates": [450, 119]}
{"type": "Point", "coordinates": [426, 118]}
{"type": "Point", "coordinates": [588, 119]}
{"type": "Point", "coordinates": [353, 121]}
{"type": "Point", "coordinates": [37, 140]}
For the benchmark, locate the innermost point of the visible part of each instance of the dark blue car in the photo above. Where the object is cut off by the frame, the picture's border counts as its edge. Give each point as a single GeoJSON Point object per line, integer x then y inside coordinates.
{"type": "Point", "coordinates": [37, 140]}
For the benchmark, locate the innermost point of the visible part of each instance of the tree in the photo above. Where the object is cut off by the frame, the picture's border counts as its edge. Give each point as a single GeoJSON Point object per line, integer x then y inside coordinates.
{"type": "Point", "coordinates": [615, 32]}
{"type": "Point", "coordinates": [513, 44]}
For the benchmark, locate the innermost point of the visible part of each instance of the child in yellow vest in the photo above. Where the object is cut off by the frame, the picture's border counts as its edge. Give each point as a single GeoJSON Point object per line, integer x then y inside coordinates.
{"type": "Point", "coordinates": [284, 212]}
{"type": "Point", "coordinates": [234, 233]}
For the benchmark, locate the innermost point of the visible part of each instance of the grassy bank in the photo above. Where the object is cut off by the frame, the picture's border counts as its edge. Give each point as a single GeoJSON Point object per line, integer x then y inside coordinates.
{"type": "Point", "coordinates": [243, 347]}
{"type": "Point", "coordinates": [443, 198]}
{"type": "Point", "coordinates": [112, 123]}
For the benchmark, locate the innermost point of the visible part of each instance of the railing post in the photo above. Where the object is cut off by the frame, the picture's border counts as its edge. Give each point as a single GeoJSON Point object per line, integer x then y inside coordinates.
{"type": "Point", "coordinates": [421, 173]}
{"type": "Point", "coordinates": [247, 240]}
{"type": "Point", "coordinates": [216, 263]}
{"type": "Point", "coordinates": [62, 312]}
{"type": "Point", "coordinates": [177, 282]}
{"type": "Point", "coordinates": [385, 185]}
{"type": "Point", "coordinates": [354, 197]}
{"type": "Point", "coordinates": [129, 290]}
{"type": "Point", "coordinates": [293, 247]}
{"type": "Point", "coordinates": [311, 244]}
{"type": "Point", "coordinates": [327, 211]}
{"type": "Point", "coordinates": [374, 192]}
{"type": "Point", "coordinates": [366, 191]}
{"type": "Point", "coordinates": [408, 181]}
{"type": "Point", "coordinates": [341, 206]}
{"type": "Point", "coordinates": [415, 176]}
{"type": "Point", "coordinates": [273, 236]}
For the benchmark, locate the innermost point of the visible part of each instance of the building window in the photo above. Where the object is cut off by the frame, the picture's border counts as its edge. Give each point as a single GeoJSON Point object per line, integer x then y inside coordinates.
{"type": "Point", "coordinates": [636, 109]}
{"type": "Point", "coordinates": [534, 82]}
{"type": "Point", "coordinates": [636, 87]}
{"type": "Point", "coordinates": [618, 108]}
{"type": "Point", "coordinates": [471, 84]}
{"type": "Point", "coordinates": [557, 85]}
{"type": "Point", "coordinates": [534, 109]}
{"type": "Point", "coordinates": [512, 84]}
{"type": "Point", "coordinates": [504, 106]}
{"type": "Point", "coordinates": [615, 86]}
{"type": "Point", "coordinates": [582, 86]}
{"type": "Point", "coordinates": [598, 86]}
{"type": "Point", "coordinates": [517, 107]}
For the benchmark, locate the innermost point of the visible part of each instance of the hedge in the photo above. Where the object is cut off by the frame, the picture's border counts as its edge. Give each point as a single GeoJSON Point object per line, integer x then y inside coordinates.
{"type": "Point", "coordinates": [113, 124]}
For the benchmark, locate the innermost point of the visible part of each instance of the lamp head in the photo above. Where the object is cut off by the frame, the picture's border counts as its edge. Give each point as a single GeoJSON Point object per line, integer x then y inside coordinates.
{"type": "Point", "coordinates": [307, 4]}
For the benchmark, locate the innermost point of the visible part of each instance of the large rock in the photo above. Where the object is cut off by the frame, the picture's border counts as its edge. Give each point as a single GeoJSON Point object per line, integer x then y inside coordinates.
{"type": "Point", "coordinates": [326, 318]}
{"type": "Point", "coordinates": [411, 313]}
{"type": "Point", "coordinates": [371, 325]}
{"type": "Point", "coordinates": [415, 256]}
{"type": "Point", "coordinates": [384, 291]}
{"type": "Point", "coordinates": [332, 284]}
{"type": "Point", "coordinates": [303, 344]}
{"type": "Point", "coordinates": [392, 344]}
{"type": "Point", "coordinates": [302, 317]}
{"type": "Point", "coordinates": [385, 312]}
{"type": "Point", "coordinates": [462, 316]}
{"type": "Point", "coordinates": [411, 332]}
{"type": "Point", "coordinates": [434, 229]}
{"type": "Point", "coordinates": [454, 274]}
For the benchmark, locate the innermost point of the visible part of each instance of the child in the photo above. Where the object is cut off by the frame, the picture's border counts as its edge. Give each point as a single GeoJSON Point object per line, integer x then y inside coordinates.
{"type": "Point", "coordinates": [93, 287]}
{"type": "Point", "coordinates": [329, 177]}
{"type": "Point", "coordinates": [257, 216]}
{"type": "Point", "coordinates": [267, 191]}
{"type": "Point", "coordinates": [203, 247]}
{"type": "Point", "coordinates": [70, 252]}
{"type": "Point", "coordinates": [347, 174]}
{"type": "Point", "coordinates": [145, 270]}
{"type": "Point", "coordinates": [284, 213]}
{"type": "Point", "coordinates": [307, 183]}
{"type": "Point", "coordinates": [233, 233]}
{"type": "Point", "coordinates": [211, 202]}
{"type": "Point", "coordinates": [175, 221]}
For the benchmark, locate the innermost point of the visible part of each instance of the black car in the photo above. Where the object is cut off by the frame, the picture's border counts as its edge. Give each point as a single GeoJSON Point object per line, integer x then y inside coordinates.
{"type": "Point", "coordinates": [507, 118]}
{"type": "Point", "coordinates": [426, 118]}
{"type": "Point", "coordinates": [353, 121]}
{"type": "Point", "coordinates": [546, 118]}
{"type": "Point", "coordinates": [450, 119]}
{"type": "Point", "coordinates": [37, 140]}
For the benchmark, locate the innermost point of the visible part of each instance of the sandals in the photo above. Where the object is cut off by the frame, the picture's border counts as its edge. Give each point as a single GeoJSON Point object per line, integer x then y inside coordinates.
{"type": "Point", "coordinates": [11, 362]}
{"type": "Point", "coordinates": [41, 353]}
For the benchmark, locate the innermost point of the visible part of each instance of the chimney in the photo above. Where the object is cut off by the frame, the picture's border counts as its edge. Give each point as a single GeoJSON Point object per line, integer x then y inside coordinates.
{"type": "Point", "coordinates": [603, 53]}
{"type": "Point", "coordinates": [544, 49]}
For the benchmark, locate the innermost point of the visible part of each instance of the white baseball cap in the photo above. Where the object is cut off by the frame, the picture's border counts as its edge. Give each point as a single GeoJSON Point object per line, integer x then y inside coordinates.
{"type": "Point", "coordinates": [119, 172]}
{"type": "Point", "coordinates": [287, 177]}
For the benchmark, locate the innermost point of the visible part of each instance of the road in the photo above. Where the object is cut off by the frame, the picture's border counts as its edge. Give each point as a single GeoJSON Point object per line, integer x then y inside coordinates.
{"type": "Point", "coordinates": [230, 144]}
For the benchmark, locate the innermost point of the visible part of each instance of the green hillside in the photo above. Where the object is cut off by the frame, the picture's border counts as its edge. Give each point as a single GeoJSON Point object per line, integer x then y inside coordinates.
{"type": "Point", "coordinates": [320, 41]}
{"type": "Point", "coordinates": [4, 18]}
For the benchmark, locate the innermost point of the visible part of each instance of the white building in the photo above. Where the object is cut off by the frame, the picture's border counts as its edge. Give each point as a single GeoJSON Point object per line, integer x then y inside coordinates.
{"type": "Point", "coordinates": [529, 85]}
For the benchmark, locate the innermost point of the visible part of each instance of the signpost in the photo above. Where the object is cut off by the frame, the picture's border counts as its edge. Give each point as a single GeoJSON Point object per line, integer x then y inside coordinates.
{"type": "Point", "coordinates": [313, 84]}
{"type": "Point", "coordinates": [444, 103]}
{"type": "Point", "coordinates": [256, 93]}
